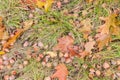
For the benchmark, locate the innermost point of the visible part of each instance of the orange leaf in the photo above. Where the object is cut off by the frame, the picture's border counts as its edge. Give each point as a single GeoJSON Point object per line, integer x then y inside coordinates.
{"type": "Point", "coordinates": [28, 3]}
{"type": "Point", "coordinates": [11, 40]}
{"type": "Point", "coordinates": [103, 40]}
{"type": "Point", "coordinates": [73, 52]}
{"type": "Point", "coordinates": [111, 25]}
{"type": "Point", "coordinates": [83, 54]}
{"type": "Point", "coordinates": [61, 72]}
{"type": "Point", "coordinates": [3, 33]}
{"type": "Point", "coordinates": [64, 43]}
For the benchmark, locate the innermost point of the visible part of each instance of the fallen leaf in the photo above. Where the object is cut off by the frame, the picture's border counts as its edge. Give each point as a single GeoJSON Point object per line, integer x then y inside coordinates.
{"type": "Point", "coordinates": [11, 40]}
{"type": "Point", "coordinates": [83, 54]}
{"type": "Point", "coordinates": [28, 3]}
{"type": "Point", "coordinates": [73, 52]}
{"type": "Point", "coordinates": [89, 46]}
{"type": "Point", "coordinates": [2, 52]}
{"type": "Point", "coordinates": [46, 4]}
{"type": "Point", "coordinates": [64, 43]}
{"type": "Point", "coordinates": [61, 72]}
{"type": "Point", "coordinates": [103, 40]}
{"type": "Point", "coordinates": [86, 28]}
{"type": "Point", "coordinates": [3, 32]}
{"type": "Point", "coordinates": [111, 25]}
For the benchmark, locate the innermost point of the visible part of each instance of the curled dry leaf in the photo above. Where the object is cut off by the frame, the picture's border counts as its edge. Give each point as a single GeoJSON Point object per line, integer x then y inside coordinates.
{"type": "Point", "coordinates": [64, 43]}
{"type": "Point", "coordinates": [86, 28]}
{"type": "Point", "coordinates": [61, 72]}
{"type": "Point", "coordinates": [11, 40]}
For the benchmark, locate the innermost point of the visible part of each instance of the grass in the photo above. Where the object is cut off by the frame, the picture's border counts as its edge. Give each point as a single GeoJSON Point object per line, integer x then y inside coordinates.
{"type": "Point", "coordinates": [50, 26]}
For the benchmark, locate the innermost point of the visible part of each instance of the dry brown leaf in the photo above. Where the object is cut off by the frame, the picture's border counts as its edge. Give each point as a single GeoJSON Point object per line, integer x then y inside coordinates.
{"type": "Point", "coordinates": [73, 52]}
{"type": "Point", "coordinates": [103, 40]}
{"type": "Point", "coordinates": [3, 33]}
{"type": "Point", "coordinates": [83, 54]}
{"type": "Point", "coordinates": [64, 43]}
{"type": "Point", "coordinates": [61, 72]}
{"type": "Point", "coordinates": [86, 28]}
{"type": "Point", "coordinates": [89, 46]}
{"type": "Point", "coordinates": [12, 40]}
{"type": "Point", "coordinates": [111, 25]}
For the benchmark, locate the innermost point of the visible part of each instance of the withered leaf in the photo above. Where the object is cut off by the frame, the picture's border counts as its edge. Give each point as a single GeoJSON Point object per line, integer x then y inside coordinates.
{"type": "Point", "coordinates": [86, 28]}
{"type": "Point", "coordinates": [89, 46]}
{"type": "Point", "coordinates": [111, 25]}
{"type": "Point", "coordinates": [103, 40]}
{"type": "Point", "coordinates": [61, 72]}
{"type": "Point", "coordinates": [64, 43]}
{"type": "Point", "coordinates": [3, 32]}
{"type": "Point", "coordinates": [12, 40]}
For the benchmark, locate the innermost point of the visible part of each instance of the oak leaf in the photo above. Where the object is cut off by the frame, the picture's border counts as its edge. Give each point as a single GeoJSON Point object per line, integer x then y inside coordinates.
{"type": "Point", "coordinates": [111, 25]}
{"type": "Point", "coordinates": [86, 28]}
{"type": "Point", "coordinates": [61, 72]}
{"type": "Point", "coordinates": [103, 40]}
{"type": "Point", "coordinates": [64, 43]}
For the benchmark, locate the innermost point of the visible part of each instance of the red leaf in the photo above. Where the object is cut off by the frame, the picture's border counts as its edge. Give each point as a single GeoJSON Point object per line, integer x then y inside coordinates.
{"type": "Point", "coordinates": [64, 43]}
{"type": "Point", "coordinates": [73, 52]}
{"type": "Point", "coordinates": [61, 72]}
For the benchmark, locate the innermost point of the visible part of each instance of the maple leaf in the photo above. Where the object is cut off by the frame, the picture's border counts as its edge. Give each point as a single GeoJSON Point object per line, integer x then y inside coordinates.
{"type": "Point", "coordinates": [86, 28]}
{"type": "Point", "coordinates": [61, 72]}
{"type": "Point", "coordinates": [64, 43]}
{"type": "Point", "coordinates": [111, 25]}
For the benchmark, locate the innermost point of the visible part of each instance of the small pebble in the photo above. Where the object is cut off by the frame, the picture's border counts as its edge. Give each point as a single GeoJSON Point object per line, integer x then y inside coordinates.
{"type": "Point", "coordinates": [20, 66]}
{"type": "Point", "coordinates": [98, 73]}
{"type": "Point", "coordinates": [106, 65]}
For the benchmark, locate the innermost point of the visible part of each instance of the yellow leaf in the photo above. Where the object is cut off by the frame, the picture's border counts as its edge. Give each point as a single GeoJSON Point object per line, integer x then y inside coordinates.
{"type": "Point", "coordinates": [2, 52]}
{"type": "Point", "coordinates": [111, 25]}
{"type": "Point", "coordinates": [44, 4]}
{"type": "Point", "coordinates": [27, 24]}
{"type": "Point", "coordinates": [86, 28]}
